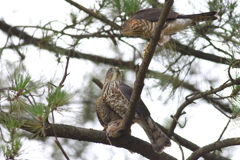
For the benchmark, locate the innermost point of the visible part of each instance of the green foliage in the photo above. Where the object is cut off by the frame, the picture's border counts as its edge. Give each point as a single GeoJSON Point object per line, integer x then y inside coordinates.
{"type": "Point", "coordinates": [58, 97]}
{"type": "Point", "coordinates": [39, 111]}
{"type": "Point", "coordinates": [10, 123]}
{"type": "Point", "coordinates": [21, 83]}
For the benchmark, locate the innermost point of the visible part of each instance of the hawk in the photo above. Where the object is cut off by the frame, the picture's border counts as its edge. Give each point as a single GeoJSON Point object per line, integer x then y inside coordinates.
{"type": "Point", "coordinates": [143, 23]}
{"type": "Point", "coordinates": [116, 94]}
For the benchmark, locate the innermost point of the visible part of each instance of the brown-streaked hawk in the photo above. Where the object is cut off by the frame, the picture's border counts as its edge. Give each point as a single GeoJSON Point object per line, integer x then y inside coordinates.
{"type": "Point", "coordinates": [117, 95]}
{"type": "Point", "coordinates": [143, 23]}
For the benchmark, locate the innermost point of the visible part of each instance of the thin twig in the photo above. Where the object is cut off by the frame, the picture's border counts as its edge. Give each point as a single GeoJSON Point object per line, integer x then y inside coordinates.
{"type": "Point", "coordinates": [65, 72]}
{"type": "Point", "coordinates": [181, 126]}
{"type": "Point", "coordinates": [224, 130]}
{"type": "Point", "coordinates": [179, 147]}
{"type": "Point", "coordinates": [56, 139]}
{"type": "Point", "coordinates": [27, 97]}
{"type": "Point", "coordinates": [232, 117]}
{"type": "Point", "coordinates": [52, 84]}
{"type": "Point", "coordinates": [61, 85]}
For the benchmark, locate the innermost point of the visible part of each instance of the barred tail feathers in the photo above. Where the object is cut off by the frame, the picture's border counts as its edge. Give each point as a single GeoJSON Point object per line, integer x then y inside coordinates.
{"type": "Point", "coordinates": [207, 16]}
{"type": "Point", "coordinates": [157, 138]}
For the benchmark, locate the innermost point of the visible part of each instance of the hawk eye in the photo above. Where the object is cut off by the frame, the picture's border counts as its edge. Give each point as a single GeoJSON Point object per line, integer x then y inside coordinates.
{"type": "Point", "coordinates": [110, 70]}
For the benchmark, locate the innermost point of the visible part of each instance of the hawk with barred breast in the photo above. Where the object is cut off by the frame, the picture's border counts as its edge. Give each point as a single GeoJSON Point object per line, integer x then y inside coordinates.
{"type": "Point", "coordinates": [143, 23]}
{"type": "Point", "coordinates": [113, 105]}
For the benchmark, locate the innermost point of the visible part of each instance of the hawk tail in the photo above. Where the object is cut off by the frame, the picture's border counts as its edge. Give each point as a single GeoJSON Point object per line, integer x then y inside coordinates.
{"type": "Point", "coordinates": [157, 138]}
{"type": "Point", "coordinates": [207, 16]}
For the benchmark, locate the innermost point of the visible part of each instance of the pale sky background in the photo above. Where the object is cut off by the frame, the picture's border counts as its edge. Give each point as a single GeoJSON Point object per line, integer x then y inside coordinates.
{"type": "Point", "coordinates": [42, 64]}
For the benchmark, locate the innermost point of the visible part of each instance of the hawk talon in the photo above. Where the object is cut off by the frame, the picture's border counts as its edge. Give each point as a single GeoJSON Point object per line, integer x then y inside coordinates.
{"type": "Point", "coordinates": [145, 51]}
{"type": "Point", "coordinates": [114, 128]}
{"type": "Point", "coordinates": [108, 139]}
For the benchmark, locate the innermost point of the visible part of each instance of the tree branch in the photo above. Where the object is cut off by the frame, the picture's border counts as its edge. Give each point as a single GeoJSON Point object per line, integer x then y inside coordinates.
{"type": "Point", "coordinates": [186, 50]}
{"type": "Point", "coordinates": [90, 135]}
{"type": "Point", "coordinates": [139, 82]}
{"type": "Point", "coordinates": [214, 146]}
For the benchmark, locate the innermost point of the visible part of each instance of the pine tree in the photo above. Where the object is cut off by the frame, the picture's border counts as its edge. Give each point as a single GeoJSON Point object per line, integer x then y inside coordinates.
{"type": "Point", "coordinates": [192, 82]}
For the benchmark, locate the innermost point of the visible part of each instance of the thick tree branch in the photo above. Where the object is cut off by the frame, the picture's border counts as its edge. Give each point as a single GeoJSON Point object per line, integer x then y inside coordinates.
{"type": "Point", "coordinates": [186, 50]}
{"type": "Point", "coordinates": [214, 146]}
{"type": "Point", "coordinates": [139, 83]}
{"type": "Point", "coordinates": [90, 135]}
{"type": "Point", "coordinates": [197, 96]}
{"type": "Point", "coordinates": [96, 15]}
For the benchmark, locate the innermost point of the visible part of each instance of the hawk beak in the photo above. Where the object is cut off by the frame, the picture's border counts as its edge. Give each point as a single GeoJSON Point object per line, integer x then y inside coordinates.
{"type": "Point", "coordinates": [117, 69]}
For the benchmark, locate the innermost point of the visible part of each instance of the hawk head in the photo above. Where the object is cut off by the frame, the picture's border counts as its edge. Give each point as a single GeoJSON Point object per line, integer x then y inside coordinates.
{"type": "Point", "coordinates": [132, 27]}
{"type": "Point", "coordinates": [113, 74]}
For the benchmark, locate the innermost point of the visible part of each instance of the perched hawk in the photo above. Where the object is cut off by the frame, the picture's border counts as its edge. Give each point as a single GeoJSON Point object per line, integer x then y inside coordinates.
{"type": "Point", "coordinates": [142, 23]}
{"type": "Point", "coordinates": [117, 95]}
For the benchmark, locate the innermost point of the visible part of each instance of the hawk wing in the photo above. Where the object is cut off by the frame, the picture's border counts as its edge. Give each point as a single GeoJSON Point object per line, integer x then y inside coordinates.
{"type": "Point", "coordinates": [152, 14]}
{"type": "Point", "coordinates": [141, 109]}
{"type": "Point", "coordinates": [105, 113]}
